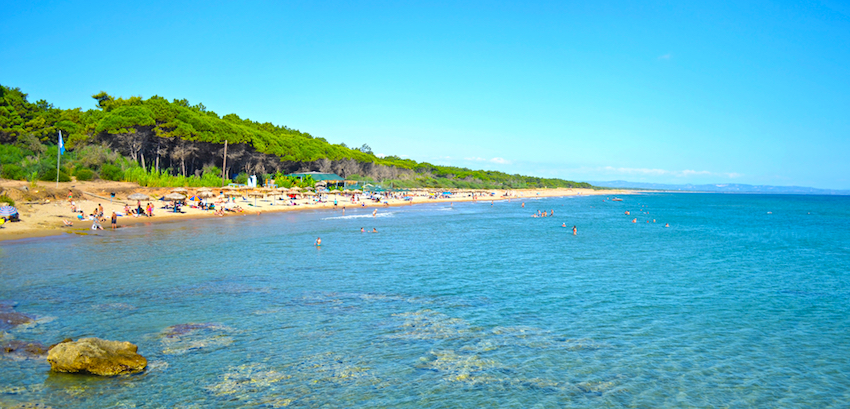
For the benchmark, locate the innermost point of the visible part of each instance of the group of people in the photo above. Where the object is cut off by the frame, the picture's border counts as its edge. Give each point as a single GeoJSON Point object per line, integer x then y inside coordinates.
{"type": "Point", "coordinates": [543, 213]}
{"type": "Point", "coordinates": [139, 211]}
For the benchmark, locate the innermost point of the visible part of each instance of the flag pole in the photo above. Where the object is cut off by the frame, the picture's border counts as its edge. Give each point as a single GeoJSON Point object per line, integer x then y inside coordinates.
{"type": "Point", "coordinates": [58, 155]}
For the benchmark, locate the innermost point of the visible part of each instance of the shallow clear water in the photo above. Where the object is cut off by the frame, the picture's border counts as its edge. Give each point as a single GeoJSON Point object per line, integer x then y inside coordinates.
{"type": "Point", "coordinates": [466, 306]}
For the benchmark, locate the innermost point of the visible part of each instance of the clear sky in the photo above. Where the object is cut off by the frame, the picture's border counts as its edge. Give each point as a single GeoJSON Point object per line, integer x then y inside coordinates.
{"type": "Point", "coordinates": [678, 92]}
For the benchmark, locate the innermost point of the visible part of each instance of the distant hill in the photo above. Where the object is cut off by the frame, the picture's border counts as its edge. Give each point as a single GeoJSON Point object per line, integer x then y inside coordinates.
{"type": "Point", "coordinates": [724, 188]}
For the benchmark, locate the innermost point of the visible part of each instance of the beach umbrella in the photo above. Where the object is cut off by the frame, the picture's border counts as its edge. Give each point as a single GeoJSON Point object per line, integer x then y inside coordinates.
{"type": "Point", "coordinates": [206, 193]}
{"type": "Point", "coordinates": [174, 196]}
{"type": "Point", "coordinates": [179, 190]}
{"type": "Point", "coordinates": [138, 196]}
{"type": "Point", "coordinates": [6, 211]}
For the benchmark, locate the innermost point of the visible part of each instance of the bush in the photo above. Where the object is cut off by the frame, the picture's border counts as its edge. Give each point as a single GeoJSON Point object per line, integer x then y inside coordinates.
{"type": "Point", "coordinates": [111, 172]}
{"type": "Point", "coordinates": [13, 172]}
{"type": "Point", "coordinates": [84, 174]}
{"type": "Point", "coordinates": [50, 176]}
{"type": "Point", "coordinates": [7, 200]}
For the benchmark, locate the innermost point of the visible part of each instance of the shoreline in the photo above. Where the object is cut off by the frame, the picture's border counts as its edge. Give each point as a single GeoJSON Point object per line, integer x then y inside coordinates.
{"type": "Point", "coordinates": [45, 219]}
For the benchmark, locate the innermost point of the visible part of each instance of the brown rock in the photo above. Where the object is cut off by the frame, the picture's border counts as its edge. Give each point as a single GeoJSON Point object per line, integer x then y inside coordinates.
{"type": "Point", "coordinates": [96, 356]}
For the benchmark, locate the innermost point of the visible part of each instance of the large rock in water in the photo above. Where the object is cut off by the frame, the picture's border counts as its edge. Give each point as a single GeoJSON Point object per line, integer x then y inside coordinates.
{"type": "Point", "coordinates": [96, 356]}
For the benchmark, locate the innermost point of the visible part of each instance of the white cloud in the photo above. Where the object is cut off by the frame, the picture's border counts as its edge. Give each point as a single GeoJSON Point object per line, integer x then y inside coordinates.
{"type": "Point", "coordinates": [662, 172]}
{"type": "Point", "coordinates": [501, 161]}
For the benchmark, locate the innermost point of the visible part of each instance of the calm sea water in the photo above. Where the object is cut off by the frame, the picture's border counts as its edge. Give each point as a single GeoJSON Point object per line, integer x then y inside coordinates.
{"type": "Point", "coordinates": [473, 305]}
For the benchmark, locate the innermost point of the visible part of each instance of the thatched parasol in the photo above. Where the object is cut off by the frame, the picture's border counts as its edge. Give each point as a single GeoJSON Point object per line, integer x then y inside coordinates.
{"type": "Point", "coordinates": [179, 190]}
{"type": "Point", "coordinates": [174, 196]}
{"type": "Point", "coordinates": [138, 196]}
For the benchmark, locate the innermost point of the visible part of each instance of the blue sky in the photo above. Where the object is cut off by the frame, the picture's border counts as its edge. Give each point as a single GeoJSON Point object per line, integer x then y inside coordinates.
{"type": "Point", "coordinates": [665, 92]}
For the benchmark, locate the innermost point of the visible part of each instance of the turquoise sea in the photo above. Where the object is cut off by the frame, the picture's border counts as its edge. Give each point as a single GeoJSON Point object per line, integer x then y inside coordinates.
{"type": "Point", "coordinates": [744, 301]}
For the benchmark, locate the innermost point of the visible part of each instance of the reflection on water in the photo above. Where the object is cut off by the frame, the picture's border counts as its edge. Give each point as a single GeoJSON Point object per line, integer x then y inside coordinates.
{"type": "Point", "coordinates": [465, 306]}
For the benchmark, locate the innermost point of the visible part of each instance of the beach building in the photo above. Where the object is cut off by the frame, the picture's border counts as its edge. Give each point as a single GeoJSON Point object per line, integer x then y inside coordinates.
{"type": "Point", "coordinates": [328, 178]}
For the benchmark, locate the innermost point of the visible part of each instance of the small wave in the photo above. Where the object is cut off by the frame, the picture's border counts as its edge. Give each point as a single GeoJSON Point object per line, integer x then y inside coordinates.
{"type": "Point", "coordinates": [359, 216]}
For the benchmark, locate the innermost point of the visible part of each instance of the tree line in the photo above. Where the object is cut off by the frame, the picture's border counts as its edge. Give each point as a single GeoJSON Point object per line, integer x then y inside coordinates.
{"type": "Point", "coordinates": [177, 138]}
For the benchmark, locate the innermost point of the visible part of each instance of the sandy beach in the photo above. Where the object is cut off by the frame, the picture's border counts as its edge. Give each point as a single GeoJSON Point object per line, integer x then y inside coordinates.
{"type": "Point", "coordinates": [44, 208]}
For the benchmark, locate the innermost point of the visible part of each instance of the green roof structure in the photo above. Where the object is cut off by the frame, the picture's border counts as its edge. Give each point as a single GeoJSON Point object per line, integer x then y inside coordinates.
{"type": "Point", "coordinates": [319, 176]}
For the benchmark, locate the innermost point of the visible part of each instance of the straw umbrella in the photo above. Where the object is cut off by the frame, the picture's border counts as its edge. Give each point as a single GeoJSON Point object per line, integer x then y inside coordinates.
{"type": "Point", "coordinates": [138, 196]}
{"type": "Point", "coordinates": [255, 194]}
{"type": "Point", "coordinates": [174, 196]}
{"type": "Point", "coordinates": [179, 190]}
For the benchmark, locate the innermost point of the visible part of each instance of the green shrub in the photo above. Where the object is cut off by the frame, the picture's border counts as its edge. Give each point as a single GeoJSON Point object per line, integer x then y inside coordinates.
{"type": "Point", "coordinates": [50, 176]}
{"type": "Point", "coordinates": [111, 172]}
{"type": "Point", "coordinates": [84, 174]}
{"type": "Point", "coordinates": [13, 172]}
{"type": "Point", "coordinates": [7, 200]}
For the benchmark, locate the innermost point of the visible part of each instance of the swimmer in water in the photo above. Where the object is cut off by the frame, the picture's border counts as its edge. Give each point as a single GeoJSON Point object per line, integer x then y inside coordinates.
{"type": "Point", "coordinates": [362, 230]}
{"type": "Point", "coordinates": [575, 231]}
{"type": "Point", "coordinates": [666, 224]}
{"type": "Point", "coordinates": [627, 212]}
{"type": "Point", "coordinates": [563, 225]}
{"type": "Point", "coordinates": [523, 204]}
{"type": "Point", "coordinates": [374, 230]}
{"type": "Point", "coordinates": [634, 220]}
{"type": "Point", "coordinates": [374, 212]}
{"type": "Point", "coordinates": [318, 241]}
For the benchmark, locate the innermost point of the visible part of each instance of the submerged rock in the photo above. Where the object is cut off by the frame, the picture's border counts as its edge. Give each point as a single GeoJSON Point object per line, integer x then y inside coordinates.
{"type": "Point", "coordinates": [183, 338]}
{"type": "Point", "coordinates": [9, 318]}
{"type": "Point", "coordinates": [96, 356]}
{"type": "Point", "coordinates": [21, 349]}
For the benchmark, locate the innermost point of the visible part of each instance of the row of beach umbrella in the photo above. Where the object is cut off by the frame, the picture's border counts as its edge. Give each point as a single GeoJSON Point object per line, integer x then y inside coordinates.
{"type": "Point", "coordinates": [180, 193]}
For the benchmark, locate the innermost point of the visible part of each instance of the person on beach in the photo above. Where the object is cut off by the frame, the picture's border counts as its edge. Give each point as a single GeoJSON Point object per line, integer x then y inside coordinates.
{"type": "Point", "coordinates": [114, 220]}
{"type": "Point", "coordinates": [150, 209]}
{"type": "Point", "coordinates": [575, 231]}
{"type": "Point", "coordinates": [318, 241]}
{"type": "Point", "coordinates": [70, 195]}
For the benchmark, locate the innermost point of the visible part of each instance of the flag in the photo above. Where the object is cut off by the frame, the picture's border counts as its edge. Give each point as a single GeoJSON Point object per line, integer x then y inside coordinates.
{"type": "Point", "coordinates": [61, 144]}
